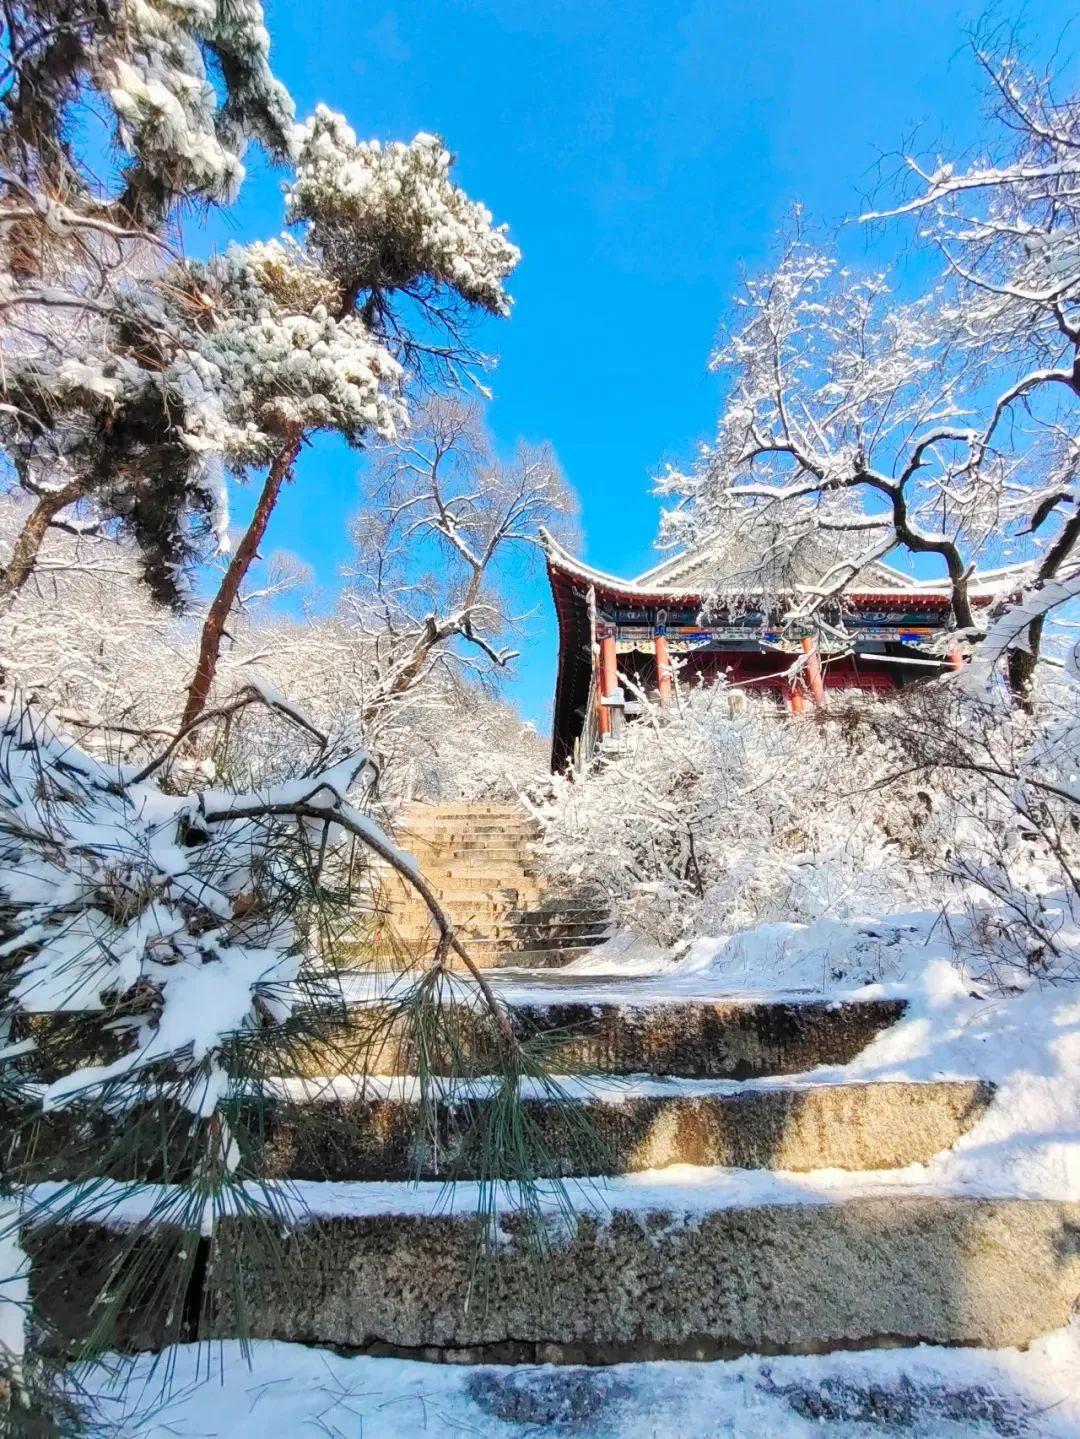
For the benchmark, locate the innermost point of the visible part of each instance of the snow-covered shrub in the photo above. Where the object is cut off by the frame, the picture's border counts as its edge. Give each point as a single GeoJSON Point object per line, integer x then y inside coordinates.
{"type": "Point", "coordinates": [727, 812]}
{"type": "Point", "coordinates": [1007, 775]}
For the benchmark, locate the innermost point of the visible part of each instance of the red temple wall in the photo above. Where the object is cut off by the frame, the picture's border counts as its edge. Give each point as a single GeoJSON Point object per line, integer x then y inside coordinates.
{"type": "Point", "coordinates": [762, 671]}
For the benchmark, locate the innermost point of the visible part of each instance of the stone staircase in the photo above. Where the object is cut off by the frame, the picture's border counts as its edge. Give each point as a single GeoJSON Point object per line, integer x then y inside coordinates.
{"type": "Point", "coordinates": [479, 860]}
{"type": "Point", "coordinates": [750, 1206]}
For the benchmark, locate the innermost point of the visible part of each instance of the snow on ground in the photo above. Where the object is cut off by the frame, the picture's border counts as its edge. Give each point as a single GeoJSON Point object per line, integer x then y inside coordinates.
{"type": "Point", "coordinates": [14, 1295]}
{"type": "Point", "coordinates": [293, 1392]}
{"type": "Point", "coordinates": [685, 1192]}
{"type": "Point", "coordinates": [1026, 1041]}
{"type": "Point", "coordinates": [958, 1025]}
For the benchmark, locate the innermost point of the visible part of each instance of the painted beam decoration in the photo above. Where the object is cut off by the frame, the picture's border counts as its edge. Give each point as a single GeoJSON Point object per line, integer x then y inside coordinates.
{"type": "Point", "coordinates": [685, 631]}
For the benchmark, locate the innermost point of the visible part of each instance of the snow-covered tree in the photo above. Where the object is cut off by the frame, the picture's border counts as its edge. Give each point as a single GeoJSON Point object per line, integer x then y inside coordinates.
{"type": "Point", "coordinates": [447, 525]}
{"type": "Point", "coordinates": [88, 214]}
{"type": "Point", "coordinates": [181, 371]}
{"type": "Point", "coordinates": [382, 228]}
{"type": "Point", "coordinates": [856, 423]}
{"type": "Point", "coordinates": [180, 88]}
{"type": "Point", "coordinates": [1007, 227]}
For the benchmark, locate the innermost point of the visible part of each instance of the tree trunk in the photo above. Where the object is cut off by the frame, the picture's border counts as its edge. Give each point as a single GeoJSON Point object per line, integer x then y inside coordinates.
{"type": "Point", "coordinates": [221, 606]}
{"type": "Point", "coordinates": [1022, 663]}
{"type": "Point", "coordinates": [27, 546]}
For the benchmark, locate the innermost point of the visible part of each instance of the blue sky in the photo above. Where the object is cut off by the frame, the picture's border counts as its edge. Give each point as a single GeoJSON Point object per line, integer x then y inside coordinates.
{"type": "Point", "coordinates": [641, 153]}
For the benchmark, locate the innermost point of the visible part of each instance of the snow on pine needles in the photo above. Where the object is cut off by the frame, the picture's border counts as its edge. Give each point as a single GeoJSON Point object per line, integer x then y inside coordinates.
{"type": "Point", "coordinates": [153, 912]}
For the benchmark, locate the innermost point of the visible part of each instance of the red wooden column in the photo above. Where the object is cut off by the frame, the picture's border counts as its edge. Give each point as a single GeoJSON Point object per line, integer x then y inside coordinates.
{"type": "Point", "coordinates": [813, 672]}
{"type": "Point", "coordinates": [954, 658]}
{"type": "Point", "coordinates": [796, 697]}
{"type": "Point", "coordinates": [609, 679]}
{"type": "Point", "coordinates": [663, 668]}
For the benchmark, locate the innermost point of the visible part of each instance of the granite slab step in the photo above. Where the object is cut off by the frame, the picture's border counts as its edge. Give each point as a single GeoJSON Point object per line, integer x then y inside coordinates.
{"type": "Point", "coordinates": [683, 1264]}
{"type": "Point", "coordinates": [697, 1039]}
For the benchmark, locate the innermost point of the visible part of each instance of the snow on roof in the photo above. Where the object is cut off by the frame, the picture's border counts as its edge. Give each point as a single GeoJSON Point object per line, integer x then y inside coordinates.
{"type": "Point", "coordinates": [662, 579]}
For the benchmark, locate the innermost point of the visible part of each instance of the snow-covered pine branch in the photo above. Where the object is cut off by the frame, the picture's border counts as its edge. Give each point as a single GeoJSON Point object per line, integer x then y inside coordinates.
{"type": "Point", "coordinates": [178, 922]}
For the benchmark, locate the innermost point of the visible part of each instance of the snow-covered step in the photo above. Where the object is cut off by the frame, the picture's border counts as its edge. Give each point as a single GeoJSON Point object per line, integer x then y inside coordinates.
{"type": "Point", "coordinates": [368, 1128]}
{"type": "Point", "coordinates": [697, 1039]}
{"type": "Point", "coordinates": [409, 953]}
{"type": "Point", "coordinates": [504, 932]}
{"type": "Point", "coordinates": [938, 1392]}
{"type": "Point", "coordinates": [362, 1128]}
{"type": "Point", "coordinates": [406, 951]}
{"type": "Point", "coordinates": [556, 910]}
{"type": "Point", "coordinates": [507, 956]}
{"type": "Point", "coordinates": [477, 848]}
{"type": "Point", "coordinates": [466, 809]}
{"type": "Point", "coordinates": [507, 911]}
{"type": "Point", "coordinates": [543, 936]}
{"type": "Point", "coordinates": [479, 876]}
{"type": "Point", "coordinates": [465, 888]}
{"type": "Point", "coordinates": [482, 862]}
{"type": "Point", "coordinates": [517, 831]}
{"type": "Point", "coordinates": [677, 1263]}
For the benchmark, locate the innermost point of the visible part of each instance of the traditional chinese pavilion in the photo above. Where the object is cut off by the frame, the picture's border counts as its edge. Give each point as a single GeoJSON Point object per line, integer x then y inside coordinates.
{"type": "Point", "coordinates": [876, 637]}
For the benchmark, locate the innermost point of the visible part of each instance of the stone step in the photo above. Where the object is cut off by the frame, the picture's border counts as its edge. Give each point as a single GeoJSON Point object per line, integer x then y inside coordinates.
{"type": "Point", "coordinates": [490, 903]}
{"type": "Point", "coordinates": [366, 1129]}
{"type": "Point", "coordinates": [473, 928]}
{"type": "Point", "coordinates": [423, 846]}
{"type": "Point", "coordinates": [509, 958]}
{"type": "Point", "coordinates": [465, 809]}
{"type": "Point", "coordinates": [528, 937]}
{"type": "Point", "coordinates": [519, 838]}
{"type": "Point", "coordinates": [520, 953]}
{"type": "Point", "coordinates": [492, 924]}
{"type": "Point", "coordinates": [479, 861]}
{"type": "Point", "coordinates": [456, 819]}
{"type": "Point", "coordinates": [467, 850]}
{"type": "Point", "coordinates": [698, 1039]}
{"type": "Point", "coordinates": [359, 1128]}
{"type": "Point", "coordinates": [476, 940]}
{"type": "Point", "coordinates": [646, 1268]}
{"type": "Point", "coordinates": [571, 909]}
{"type": "Point", "coordinates": [437, 826]}
{"type": "Point", "coordinates": [458, 887]}
{"type": "Point", "coordinates": [479, 948]}
{"type": "Point", "coordinates": [498, 957]}
{"type": "Point", "coordinates": [499, 912]}
{"type": "Point", "coordinates": [496, 929]}
{"type": "Point", "coordinates": [494, 876]}
{"type": "Point", "coordinates": [550, 924]}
